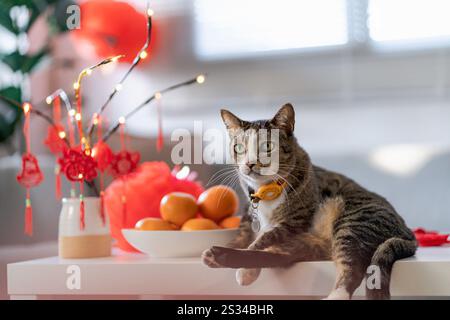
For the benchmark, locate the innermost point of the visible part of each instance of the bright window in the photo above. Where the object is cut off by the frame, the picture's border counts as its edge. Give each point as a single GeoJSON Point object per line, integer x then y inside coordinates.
{"type": "Point", "coordinates": [409, 20]}
{"type": "Point", "coordinates": [240, 27]}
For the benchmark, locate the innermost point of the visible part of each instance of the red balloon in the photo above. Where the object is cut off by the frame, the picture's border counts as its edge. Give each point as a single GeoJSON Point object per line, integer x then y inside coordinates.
{"type": "Point", "coordinates": [109, 28]}
{"type": "Point", "coordinates": [144, 190]}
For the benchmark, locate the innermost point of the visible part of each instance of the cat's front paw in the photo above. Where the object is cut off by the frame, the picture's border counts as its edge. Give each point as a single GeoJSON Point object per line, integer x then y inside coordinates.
{"type": "Point", "coordinates": [209, 260]}
{"type": "Point", "coordinates": [246, 277]}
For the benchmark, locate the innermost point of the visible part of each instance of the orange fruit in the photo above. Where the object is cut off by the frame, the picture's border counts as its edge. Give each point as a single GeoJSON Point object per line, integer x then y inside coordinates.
{"type": "Point", "coordinates": [199, 224]}
{"type": "Point", "coordinates": [218, 202]}
{"type": "Point", "coordinates": [147, 224]}
{"type": "Point", "coordinates": [230, 222]}
{"type": "Point", "coordinates": [178, 207]}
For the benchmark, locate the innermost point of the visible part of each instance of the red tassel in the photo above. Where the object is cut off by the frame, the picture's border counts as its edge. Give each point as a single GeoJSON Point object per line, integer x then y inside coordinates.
{"type": "Point", "coordinates": [102, 207]}
{"type": "Point", "coordinates": [28, 216]}
{"type": "Point", "coordinates": [82, 217]}
{"type": "Point", "coordinates": [57, 182]}
{"type": "Point", "coordinates": [160, 141]}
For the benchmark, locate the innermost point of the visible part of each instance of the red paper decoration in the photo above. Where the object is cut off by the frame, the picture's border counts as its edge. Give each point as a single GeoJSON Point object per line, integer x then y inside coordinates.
{"type": "Point", "coordinates": [110, 28]}
{"type": "Point", "coordinates": [124, 162]}
{"type": "Point", "coordinates": [144, 190]}
{"type": "Point", "coordinates": [78, 166]}
{"type": "Point", "coordinates": [427, 238]}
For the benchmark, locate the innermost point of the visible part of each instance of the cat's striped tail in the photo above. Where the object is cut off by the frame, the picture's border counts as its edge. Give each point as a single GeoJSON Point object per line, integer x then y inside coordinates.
{"type": "Point", "coordinates": [384, 257]}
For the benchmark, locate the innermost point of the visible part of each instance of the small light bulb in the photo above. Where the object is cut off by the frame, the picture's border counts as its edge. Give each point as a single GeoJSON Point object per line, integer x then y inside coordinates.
{"type": "Point", "coordinates": [143, 54]}
{"type": "Point", "coordinates": [116, 58]}
{"type": "Point", "coordinates": [80, 176]}
{"type": "Point", "coordinates": [122, 120]}
{"type": "Point", "coordinates": [26, 107]}
{"type": "Point", "coordinates": [62, 134]}
{"type": "Point", "coordinates": [88, 72]}
{"type": "Point", "coordinates": [119, 87]}
{"type": "Point", "coordinates": [78, 116]}
{"type": "Point", "coordinates": [48, 100]}
{"type": "Point", "coordinates": [150, 12]}
{"type": "Point", "coordinates": [72, 112]}
{"type": "Point", "coordinates": [83, 140]}
{"type": "Point", "coordinates": [76, 86]}
{"type": "Point", "coordinates": [158, 95]}
{"type": "Point", "coordinates": [200, 79]}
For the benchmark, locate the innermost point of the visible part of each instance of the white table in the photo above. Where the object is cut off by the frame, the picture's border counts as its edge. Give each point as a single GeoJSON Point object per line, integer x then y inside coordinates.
{"type": "Point", "coordinates": [136, 275]}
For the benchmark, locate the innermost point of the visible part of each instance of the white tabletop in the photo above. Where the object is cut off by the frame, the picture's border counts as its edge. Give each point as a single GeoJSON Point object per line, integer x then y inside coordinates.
{"type": "Point", "coordinates": [425, 274]}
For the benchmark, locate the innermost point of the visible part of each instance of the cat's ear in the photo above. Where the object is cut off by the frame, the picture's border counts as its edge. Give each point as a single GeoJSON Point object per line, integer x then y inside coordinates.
{"type": "Point", "coordinates": [230, 120]}
{"type": "Point", "coordinates": [285, 118]}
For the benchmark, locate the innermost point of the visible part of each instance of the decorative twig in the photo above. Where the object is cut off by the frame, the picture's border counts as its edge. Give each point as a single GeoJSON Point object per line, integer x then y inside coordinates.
{"type": "Point", "coordinates": [157, 95]}
{"type": "Point", "coordinates": [142, 54]}
{"type": "Point", "coordinates": [33, 111]}
{"type": "Point", "coordinates": [50, 121]}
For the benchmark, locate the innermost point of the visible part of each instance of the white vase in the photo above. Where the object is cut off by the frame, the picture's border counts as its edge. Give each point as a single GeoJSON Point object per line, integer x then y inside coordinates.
{"type": "Point", "coordinates": [92, 241]}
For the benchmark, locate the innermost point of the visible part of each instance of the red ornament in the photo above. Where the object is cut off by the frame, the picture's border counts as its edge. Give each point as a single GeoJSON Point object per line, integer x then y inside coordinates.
{"type": "Point", "coordinates": [30, 175]}
{"type": "Point", "coordinates": [110, 28]}
{"type": "Point", "coordinates": [78, 166]}
{"type": "Point", "coordinates": [427, 238]}
{"type": "Point", "coordinates": [103, 154]}
{"type": "Point", "coordinates": [53, 141]}
{"type": "Point", "coordinates": [143, 191]}
{"type": "Point", "coordinates": [124, 162]}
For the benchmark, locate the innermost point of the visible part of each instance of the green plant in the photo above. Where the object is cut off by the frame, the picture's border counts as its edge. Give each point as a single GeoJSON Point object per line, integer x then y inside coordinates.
{"type": "Point", "coordinates": [16, 19]}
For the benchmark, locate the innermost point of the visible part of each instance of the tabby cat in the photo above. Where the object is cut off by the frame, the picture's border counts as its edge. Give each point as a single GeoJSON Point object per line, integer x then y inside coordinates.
{"type": "Point", "coordinates": [320, 215]}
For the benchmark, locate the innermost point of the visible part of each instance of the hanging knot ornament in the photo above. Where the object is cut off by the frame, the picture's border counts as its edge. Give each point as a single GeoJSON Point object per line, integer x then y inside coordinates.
{"type": "Point", "coordinates": [78, 165]}
{"type": "Point", "coordinates": [30, 175]}
{"type": "Point", "coordinates": [124, 162]}
{"type": "Point", "coordinates": [103, 155]}
{"type": "Point", "coordinates": [55, 139]}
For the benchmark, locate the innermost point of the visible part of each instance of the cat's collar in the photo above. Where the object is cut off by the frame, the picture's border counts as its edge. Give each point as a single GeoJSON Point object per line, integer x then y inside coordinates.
{"type": "Point", "coordinates": [269, 191]}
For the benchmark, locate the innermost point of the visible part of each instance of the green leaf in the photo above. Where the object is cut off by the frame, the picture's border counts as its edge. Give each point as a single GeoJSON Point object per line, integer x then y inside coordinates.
{"type": "Point", "coordinates": [30, 62]}
{"type": "Point", "coordinates": [10, 115]}
{"type": "Point", "coordinates": [14, 60]}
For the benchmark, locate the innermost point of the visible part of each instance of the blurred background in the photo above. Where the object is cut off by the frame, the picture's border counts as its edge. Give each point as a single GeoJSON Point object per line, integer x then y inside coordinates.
{"type": "Point", "coordinates": [369, 80]}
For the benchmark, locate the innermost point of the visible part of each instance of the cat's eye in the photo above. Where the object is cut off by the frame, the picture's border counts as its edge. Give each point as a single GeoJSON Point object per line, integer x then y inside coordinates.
{"type": "Point", "coordinates": [267, 146]}
{"type": "Point", "coordinates": [239, 148]}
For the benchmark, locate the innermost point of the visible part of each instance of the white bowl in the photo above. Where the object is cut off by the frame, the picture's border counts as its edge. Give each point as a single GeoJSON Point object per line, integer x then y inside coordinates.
{"type": "Point", "coordinates": [171, 244]}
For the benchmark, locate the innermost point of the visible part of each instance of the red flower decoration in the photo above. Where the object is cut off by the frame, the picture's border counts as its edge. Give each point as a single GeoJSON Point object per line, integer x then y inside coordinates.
{"type": "Point", "coordinates": [78, 166]}
{"type": "Point", "coordinates": [124, 163]}
{"type": "Point", "coordinates": [53, 141]}
{"type": "Point", "coordinates": [103, 154]}
{"type": "Point", "coordinates": [31, 175]}
{"type": "Point", "coordinates": [110, 28]}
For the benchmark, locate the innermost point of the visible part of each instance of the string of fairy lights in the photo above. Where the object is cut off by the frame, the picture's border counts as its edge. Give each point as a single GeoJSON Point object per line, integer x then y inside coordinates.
{"type": "Point", "coordinates": [75, 115]}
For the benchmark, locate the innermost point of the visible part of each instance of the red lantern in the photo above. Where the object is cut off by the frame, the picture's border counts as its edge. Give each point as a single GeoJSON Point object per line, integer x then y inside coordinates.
{"type": "Point", "coordinates": [110, 28]}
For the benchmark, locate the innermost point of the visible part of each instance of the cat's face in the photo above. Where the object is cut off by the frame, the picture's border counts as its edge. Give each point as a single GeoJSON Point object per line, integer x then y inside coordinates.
{"type": "Point", "coordinates": [263, 149]}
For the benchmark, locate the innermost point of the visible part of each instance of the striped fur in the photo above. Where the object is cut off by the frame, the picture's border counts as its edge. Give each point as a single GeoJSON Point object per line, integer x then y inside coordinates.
{"type": "Point", "coordinates": [325, 215]}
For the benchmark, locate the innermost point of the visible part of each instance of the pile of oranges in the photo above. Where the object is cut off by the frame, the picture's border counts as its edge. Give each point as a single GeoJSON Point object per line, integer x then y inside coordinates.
{"type": "Point", "coordinates": [215, 209]}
